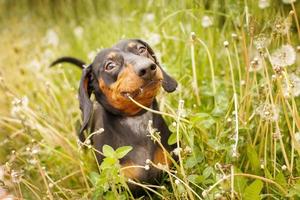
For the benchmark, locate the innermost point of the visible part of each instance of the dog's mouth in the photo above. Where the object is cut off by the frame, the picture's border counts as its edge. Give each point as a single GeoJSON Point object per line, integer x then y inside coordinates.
{"type": "Point", "coordinates": [141, 89]}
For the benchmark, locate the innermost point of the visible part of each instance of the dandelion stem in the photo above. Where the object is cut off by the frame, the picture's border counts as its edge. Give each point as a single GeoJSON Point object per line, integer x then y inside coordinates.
{"type": "Point", "coordinates": [158, 112]}
{"type": "Point", "coordinates": [211, 65]}
{"type": "Point", "coordinates": [296, 19]}
{"type": "Point", "coordinates": [195, 80]}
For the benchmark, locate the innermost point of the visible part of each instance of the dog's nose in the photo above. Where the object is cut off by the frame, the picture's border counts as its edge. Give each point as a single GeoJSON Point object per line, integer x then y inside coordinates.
{"type": "Point", "coordinates": [147, 71]}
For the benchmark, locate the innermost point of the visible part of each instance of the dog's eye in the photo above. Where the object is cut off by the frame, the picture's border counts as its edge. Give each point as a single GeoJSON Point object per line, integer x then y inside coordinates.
{"type": "Point", "coordinates": [110, 66]}
{"type": "Point", "coordinates": [142, 50]}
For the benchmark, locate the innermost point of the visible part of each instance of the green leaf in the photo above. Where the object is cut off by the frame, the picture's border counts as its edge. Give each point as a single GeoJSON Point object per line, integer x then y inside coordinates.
{"type": "Point", "coordinates": [108, 151]}
{"type": "Point", "coordinates": [294, 191]}
{"type": "Point", "coordinates": [253, 190]}
{"type": "Point", "coordinates": [172, 139]}
{"type": "Point", "coordinates": [94, 176]}
{"type": "Point", "coordinates": [253, 158]}
{"type": "Point", "coordinates": [207, 172]}
{"type": "Point", "coordinates": [281, 180]}
{"type": "Point", "coordinates": [123, 151]}
{"type": "Point", "coordinates": [107, 163]}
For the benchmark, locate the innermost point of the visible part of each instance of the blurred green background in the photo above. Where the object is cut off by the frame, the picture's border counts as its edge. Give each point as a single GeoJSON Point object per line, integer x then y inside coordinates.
{"type": "Point", "coordinates": [39, 108]}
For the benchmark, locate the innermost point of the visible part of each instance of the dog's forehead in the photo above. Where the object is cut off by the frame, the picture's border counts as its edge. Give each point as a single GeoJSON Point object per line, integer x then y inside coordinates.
{"type": "Point", "coordinates": [108, 53]}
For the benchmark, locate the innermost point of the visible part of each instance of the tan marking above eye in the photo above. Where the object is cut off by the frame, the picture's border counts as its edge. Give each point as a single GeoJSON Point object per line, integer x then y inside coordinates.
{"type": "Point", "coordinates": [132, 44]}
{"type": "Point", "coordinates": [111, 55]}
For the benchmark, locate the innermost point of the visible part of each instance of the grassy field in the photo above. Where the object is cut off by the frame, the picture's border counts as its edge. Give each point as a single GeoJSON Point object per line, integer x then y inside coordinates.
{"type": "Point", "coordinates": [238, 68]}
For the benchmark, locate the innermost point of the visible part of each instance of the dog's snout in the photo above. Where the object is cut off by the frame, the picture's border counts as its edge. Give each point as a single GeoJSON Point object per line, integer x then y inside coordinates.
{"type": "Point", "coordinates": [147, 71]}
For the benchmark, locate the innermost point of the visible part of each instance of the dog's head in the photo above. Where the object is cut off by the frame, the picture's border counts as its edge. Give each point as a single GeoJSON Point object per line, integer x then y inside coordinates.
{"type": "Point", "coordinates": [129, 68]}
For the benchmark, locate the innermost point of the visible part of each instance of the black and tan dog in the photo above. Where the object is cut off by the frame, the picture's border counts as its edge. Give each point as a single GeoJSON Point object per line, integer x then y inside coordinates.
{"type": "Point", "coordinates": [129, 68]}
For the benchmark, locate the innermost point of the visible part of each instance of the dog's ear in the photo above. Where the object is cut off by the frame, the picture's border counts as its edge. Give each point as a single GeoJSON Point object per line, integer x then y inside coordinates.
{"type": "Point", "coordinates": [169, 84]}
{"type": "Point", "coordinates": [86, 105]}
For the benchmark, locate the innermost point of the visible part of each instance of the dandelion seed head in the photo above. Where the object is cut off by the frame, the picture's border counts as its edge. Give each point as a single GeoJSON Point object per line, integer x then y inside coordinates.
{"type": "Point", "coordinates": [262, 4]}
{"type": "Point", "coordinates": [188, 149]}
{"type": "Point", "coordinates": [154, 39]}
{"type": "Point", "coordinates": [177, 151]}
{"type": "Point", "coordinates": [32, 161]}
{"type": "Point", "coordinates": [204, 193]}
{"type": "Point", "coordinates": [149, 17]}
{"type": "Point", "coordinates": [193, 35]}
{"type": "Point", "coordinates": [256, 64]}
{"type": "Point", "coordinates": [51, 38]}
{"type": "Point", "coordinates": [284, 56]}
{"type": "Point", "coordinates": [177, 182]}
{"type": "Point", "coordinates": [282, 26]}
{"type": "Point", "coordinates": [35, 64]}
{"type": "Point", "coordinates": [226, 44]}
{"type": "Point", "coordinates": [234, 36]}
{"type": "Point", "coordinates": [268, 112]}
{"type": "Point", "coordinates": [261, 41]}
{"type": "Point", "coordinates": [291, 87]}
{"type": "Point", "coordinates": [283, 167]}
{"type": "Point", "coordinates": [78, 32]}
{"type": "Point", "coordinates": [206, 21]}
{"type": "Point", "coordinates": [16, 176]}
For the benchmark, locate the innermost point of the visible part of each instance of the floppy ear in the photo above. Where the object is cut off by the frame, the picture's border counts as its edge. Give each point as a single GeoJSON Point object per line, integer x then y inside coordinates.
{"type": "Point", "coordinates": [169, 84]}
{"type": "Point", "coordinates": [86, 105]}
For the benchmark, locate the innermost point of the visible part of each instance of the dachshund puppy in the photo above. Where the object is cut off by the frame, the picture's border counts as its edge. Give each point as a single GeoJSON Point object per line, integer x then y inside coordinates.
{"type": "Point", "coordinates": [129, 68]}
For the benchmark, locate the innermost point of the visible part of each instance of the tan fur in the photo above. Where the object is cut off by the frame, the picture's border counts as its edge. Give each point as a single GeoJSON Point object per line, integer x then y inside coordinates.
{"type": "Point", "coordinates": [131, 172]}
{"type": "Point", "coordinates": [159, 157]}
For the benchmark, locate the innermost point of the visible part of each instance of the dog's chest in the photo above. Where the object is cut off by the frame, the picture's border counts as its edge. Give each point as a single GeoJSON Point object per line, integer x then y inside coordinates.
{"type": "Point", "coordinates": [137, 125]}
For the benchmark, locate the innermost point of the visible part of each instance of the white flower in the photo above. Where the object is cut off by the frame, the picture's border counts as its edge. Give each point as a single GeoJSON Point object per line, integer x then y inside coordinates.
{"type": "Point", "coordinates": [285, 56]}
{"type": "Point", "coordinates": [206, 21]}
{"type": "Point", "coordinates": [147, 167]}
{"type": "Point", "coordinates": [91, 55]}
{"type": "Point", "coordinates": [78, 32]}
{"type": "Point", "coordinates": [177, 181]}
{"type": "Point", "coordinates": [256, 63]}
{"type": "Point", "coordinates": [51, 38]}
{"type": "Point", "coordinates": [292, 87]}
{"type": "Point", "coordinates": [297, 137]}
{"type": "Point", "coordinates": [288, 1]}
{"type": "Point", "coordinates": [19, 105]}
{"type": "Point", "coordinates": [35, 64]}
{"type": "Point", "coordinates": [149, 17]}
{"type": "Point", "coordinates": [154, 39]}
{"type": "Point", "coordinates": [263, 4]}
{"type": "Point", "coordinates": [283, 167]}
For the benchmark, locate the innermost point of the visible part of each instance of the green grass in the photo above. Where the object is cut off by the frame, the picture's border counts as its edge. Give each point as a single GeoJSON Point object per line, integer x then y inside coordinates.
{"type": "Point", "coordinates": [251, 155]}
